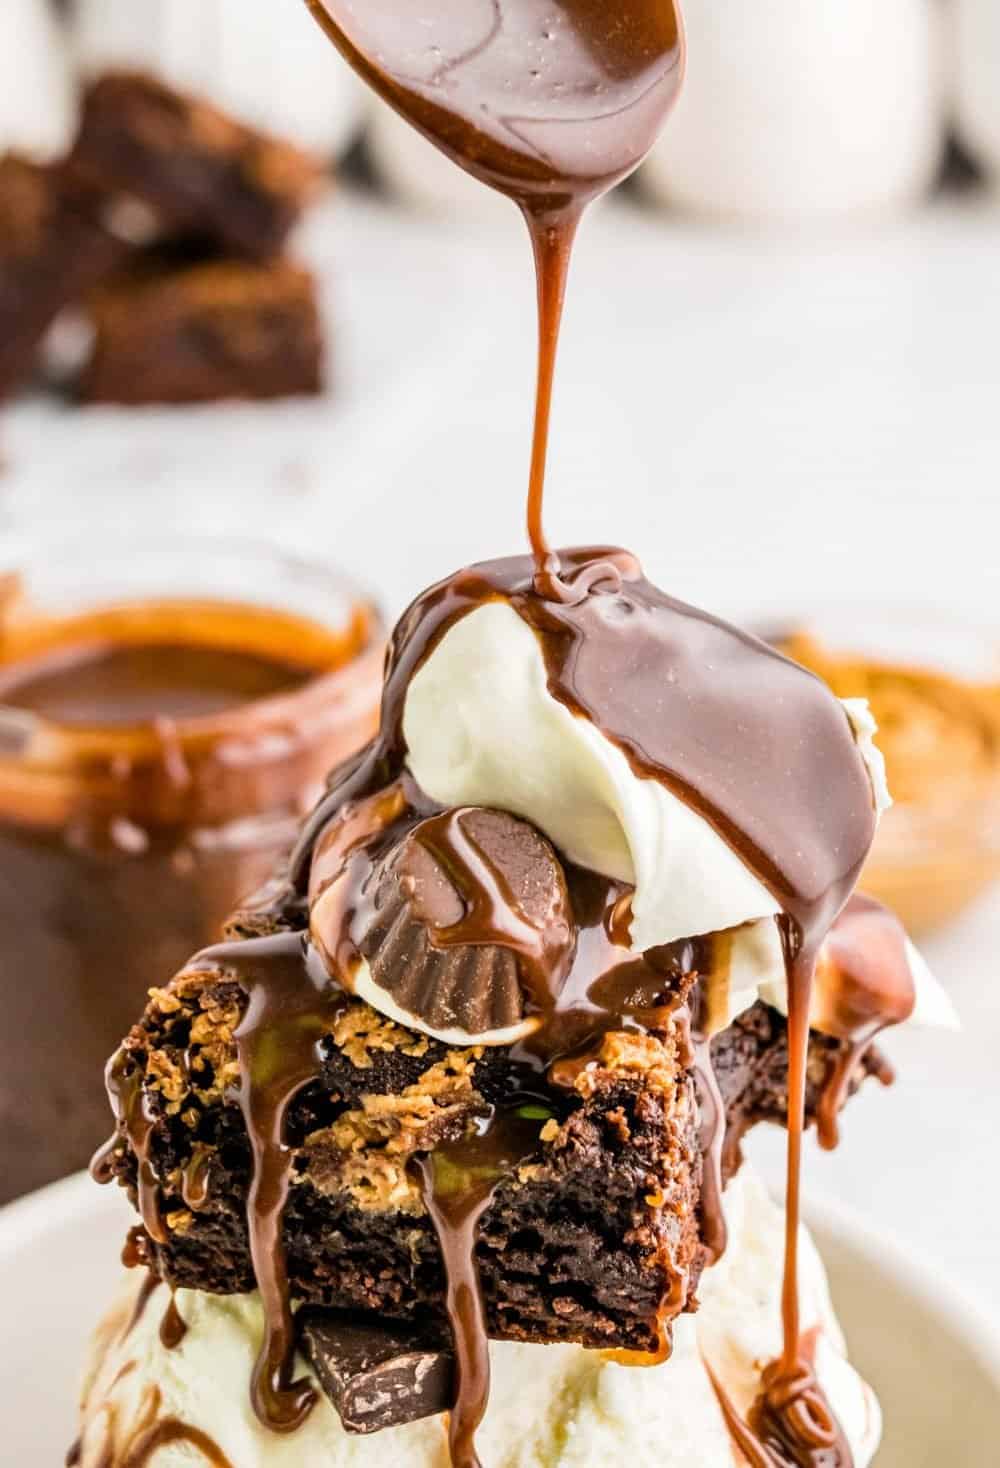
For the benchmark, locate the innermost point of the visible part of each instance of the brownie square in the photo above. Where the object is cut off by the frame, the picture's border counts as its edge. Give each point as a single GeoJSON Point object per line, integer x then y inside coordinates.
{"type": "Point", "coordinates": [203, 172]}
{"type": "Point", "coordinates": [595, 1238]}
{"type": "Point", "coordinates": [53, 250]}
{"type": "Point", "coordinates": [197, 333]}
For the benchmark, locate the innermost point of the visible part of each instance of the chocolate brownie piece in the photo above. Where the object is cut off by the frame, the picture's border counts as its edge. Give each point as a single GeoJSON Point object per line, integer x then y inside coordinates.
{"type": "Point", "coordinates": [585, 1242]}
{"type": "Point", "coordinates": [204, 332]}
{"type": "Point", "coordinates": [53, 250]}
{"type": "Point", "coordinates": [200, 170]}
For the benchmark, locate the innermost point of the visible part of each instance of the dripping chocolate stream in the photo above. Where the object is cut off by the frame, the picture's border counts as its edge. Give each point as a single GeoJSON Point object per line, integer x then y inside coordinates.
{"type": "Point", "coordinates": [145, 1293]}
{"type": "Point", "coordinates": [458, 1182]}
{"type": "Point", "coordinates": [130, 1106]}
{"type": "Point", "coordinates": [550, 105]}
{"type": "Point", "coordinates": [791, 1421]}
{"type": "Point", "coordinates": [290, 1007]}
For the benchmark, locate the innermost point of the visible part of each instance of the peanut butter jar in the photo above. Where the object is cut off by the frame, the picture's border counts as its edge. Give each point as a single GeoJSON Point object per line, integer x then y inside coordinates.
{"type": "Point", "coordinates": [934, 689]}
{"type": "Point", "coordinates": [168, 711]}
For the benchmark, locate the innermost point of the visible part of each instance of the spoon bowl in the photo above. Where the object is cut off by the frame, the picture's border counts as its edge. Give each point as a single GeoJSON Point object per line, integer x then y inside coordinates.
{"type": "Point", "coordinates": [541, 99]}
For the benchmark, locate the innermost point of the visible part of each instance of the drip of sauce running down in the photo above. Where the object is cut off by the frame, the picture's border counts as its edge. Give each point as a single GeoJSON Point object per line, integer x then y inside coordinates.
{"type": "Point", "coordinates": [145, 1293]}
{"type": "Point", "coordinates": [290, 1008]}
{"type": "Point", "coordinates": [458, 1183]}
{"type": "Point", "coordinates": [874, 989]}
{"type": "Point", "coordinates": [173, 1326]}
{"type": "Point", "coordinates": [550, 104]}
{"type": "Point", "coordinates": [130, 1105]}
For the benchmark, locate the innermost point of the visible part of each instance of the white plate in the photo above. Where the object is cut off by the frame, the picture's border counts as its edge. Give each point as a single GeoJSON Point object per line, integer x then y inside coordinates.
{"type": "Point", "coordinates": [933, 1359]}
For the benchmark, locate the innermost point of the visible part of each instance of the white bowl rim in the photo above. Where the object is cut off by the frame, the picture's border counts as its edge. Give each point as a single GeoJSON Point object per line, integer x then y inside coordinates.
{"type": "Point", "coordinates": [910, 1270]}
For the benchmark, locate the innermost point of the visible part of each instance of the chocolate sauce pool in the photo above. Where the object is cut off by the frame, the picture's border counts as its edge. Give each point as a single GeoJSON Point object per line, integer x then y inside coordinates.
{"type": "Point", "coordinates": [108, 684]}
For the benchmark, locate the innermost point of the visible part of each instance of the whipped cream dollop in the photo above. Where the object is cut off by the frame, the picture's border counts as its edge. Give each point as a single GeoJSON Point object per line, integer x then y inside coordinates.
{"type": "Point", "coordinates": [482, 728]}
{"type": "Point", "coordinates": [551, 1407]}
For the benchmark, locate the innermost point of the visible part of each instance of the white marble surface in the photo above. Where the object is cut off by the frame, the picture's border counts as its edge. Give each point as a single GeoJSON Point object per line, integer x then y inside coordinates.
{"type": "Point", "coordinates": [769, 420]}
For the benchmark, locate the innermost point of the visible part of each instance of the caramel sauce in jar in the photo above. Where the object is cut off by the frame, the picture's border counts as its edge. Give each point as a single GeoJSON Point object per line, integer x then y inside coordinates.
{"type": "Point", "coordinates": [167, 714]}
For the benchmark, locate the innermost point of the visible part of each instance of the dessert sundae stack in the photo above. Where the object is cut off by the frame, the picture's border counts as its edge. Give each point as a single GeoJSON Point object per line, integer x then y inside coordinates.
{"type": "Point", "coordinates": [437, 1158]}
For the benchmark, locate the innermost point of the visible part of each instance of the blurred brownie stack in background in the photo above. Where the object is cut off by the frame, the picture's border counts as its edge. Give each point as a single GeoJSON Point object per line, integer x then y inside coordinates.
{"type": "Point", "coordinates": [167, 226]}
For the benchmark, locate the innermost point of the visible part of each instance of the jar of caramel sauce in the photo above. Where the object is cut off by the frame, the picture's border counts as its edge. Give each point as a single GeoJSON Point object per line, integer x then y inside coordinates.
{"type": "Point", "coordinates": [168, 711]}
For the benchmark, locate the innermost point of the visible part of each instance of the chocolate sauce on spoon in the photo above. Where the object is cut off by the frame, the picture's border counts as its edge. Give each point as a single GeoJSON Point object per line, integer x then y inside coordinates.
{"type": "Point", "coordinates": [551, 102]}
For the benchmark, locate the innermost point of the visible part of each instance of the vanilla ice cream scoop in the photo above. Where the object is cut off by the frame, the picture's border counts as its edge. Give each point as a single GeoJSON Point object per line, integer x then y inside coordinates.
{"type": "Point", "coordinates": [482, 728]}
{"type": "Point", "coordinates": [551, 1406]}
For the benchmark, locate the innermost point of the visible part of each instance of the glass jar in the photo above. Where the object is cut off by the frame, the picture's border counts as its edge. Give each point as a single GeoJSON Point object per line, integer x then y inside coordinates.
{"type": "Point", "coordinates": [933, 683]}
{"type": "Point", "coordinates": [168, 711]}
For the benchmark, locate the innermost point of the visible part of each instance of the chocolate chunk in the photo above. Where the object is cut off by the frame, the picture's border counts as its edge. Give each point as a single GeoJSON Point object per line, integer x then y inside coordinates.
{"type": "Point", "coordinates": [471, 919]}
{"type": "Point", "coordinates": [378, 1375]}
